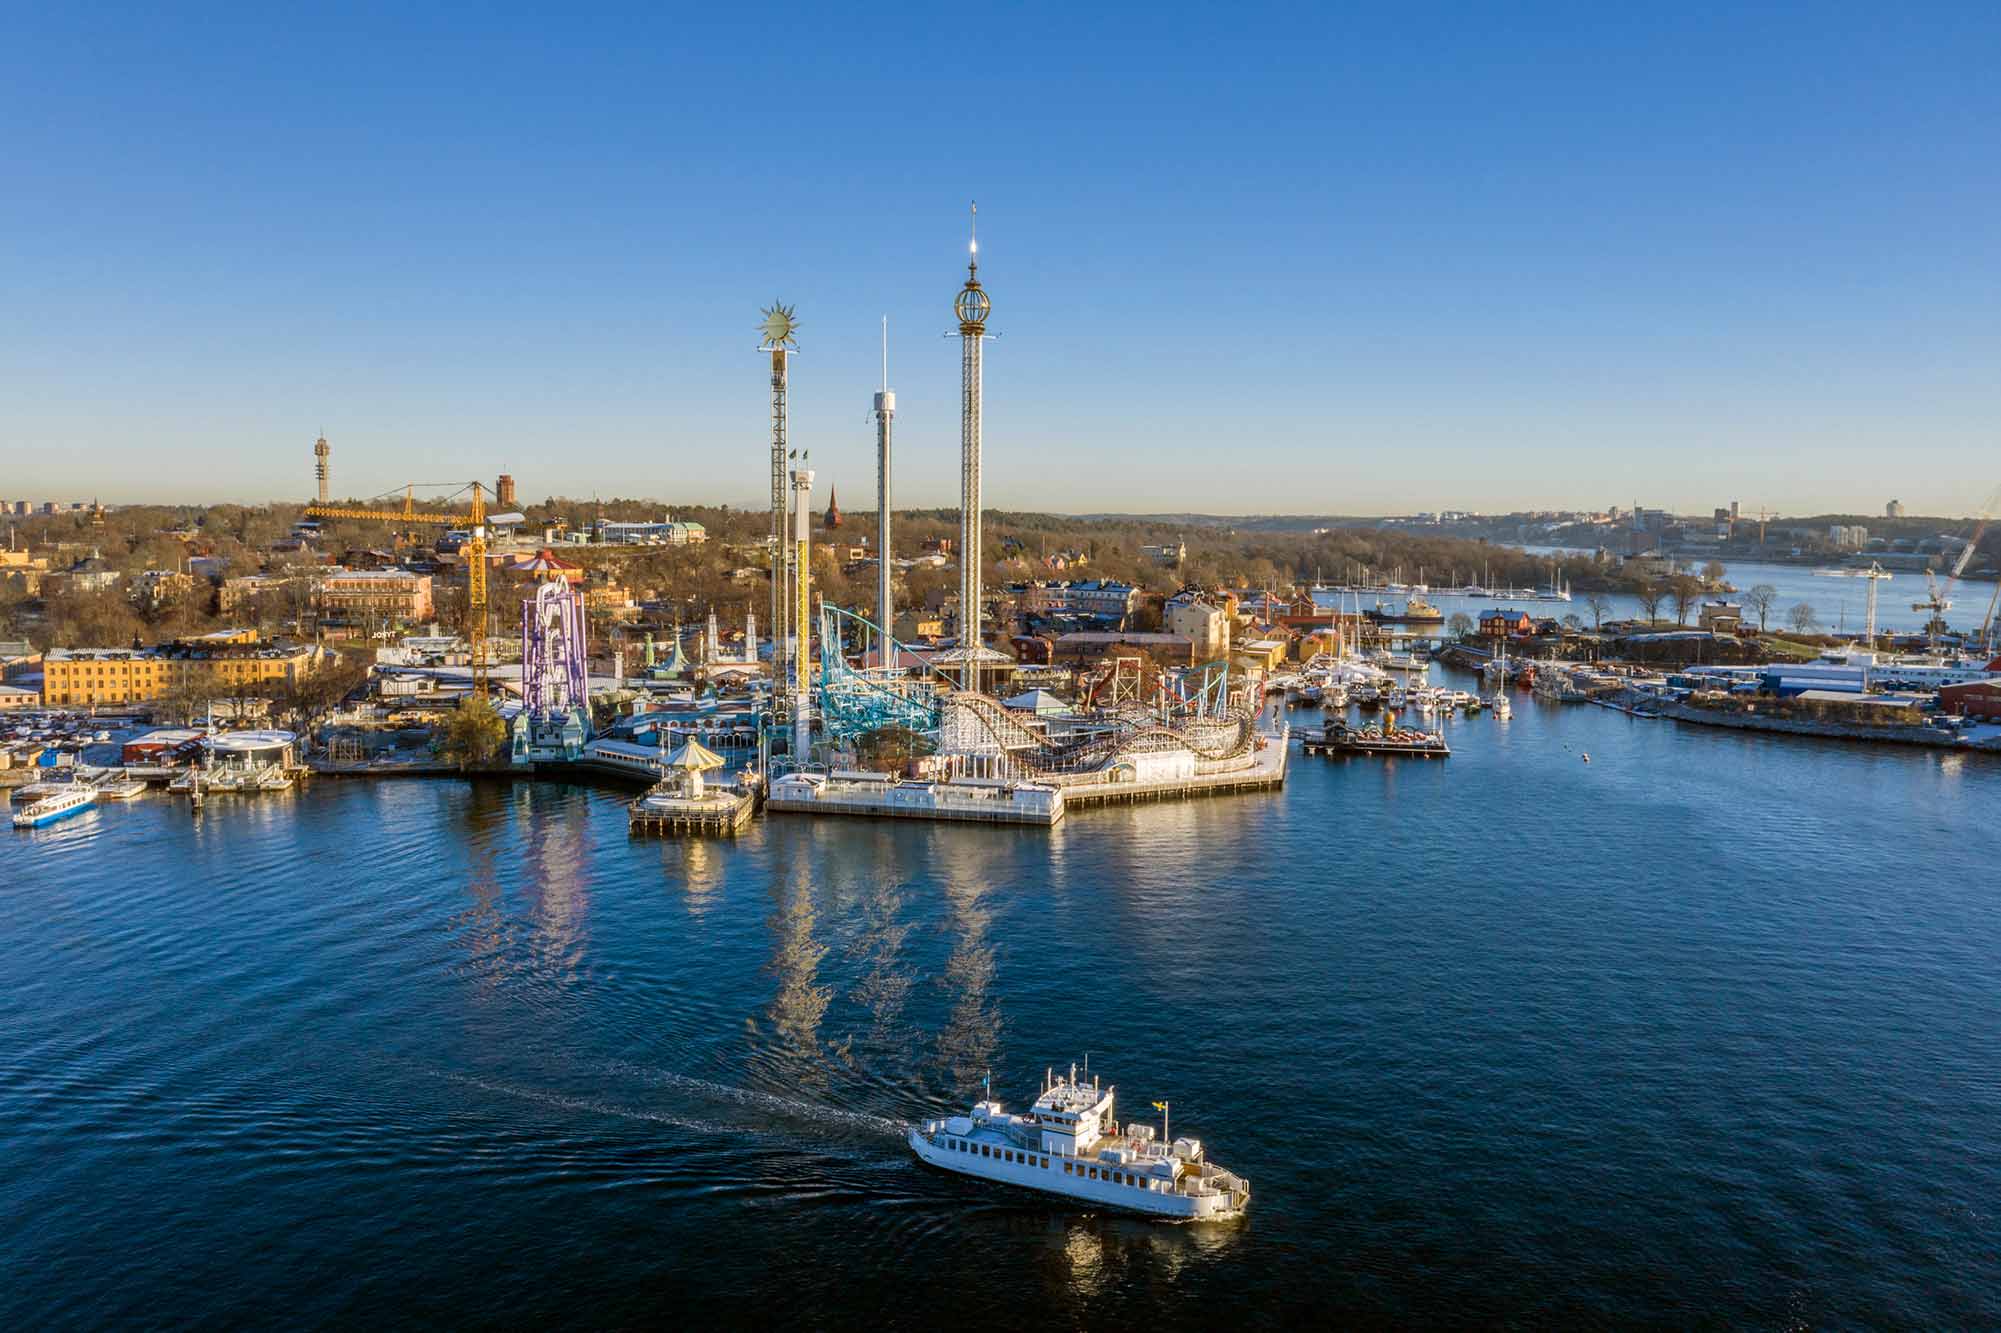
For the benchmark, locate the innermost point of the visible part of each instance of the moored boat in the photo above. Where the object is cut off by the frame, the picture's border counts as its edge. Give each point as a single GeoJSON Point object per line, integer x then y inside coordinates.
{"type": "Point", "coordinates": [72, 800]}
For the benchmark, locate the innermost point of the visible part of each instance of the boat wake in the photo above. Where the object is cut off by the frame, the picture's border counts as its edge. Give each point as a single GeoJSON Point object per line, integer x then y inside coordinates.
{"type": "Point", "coordinates": [591, 1105]}
{"type": "Point", "coordinates": [791, 1108]}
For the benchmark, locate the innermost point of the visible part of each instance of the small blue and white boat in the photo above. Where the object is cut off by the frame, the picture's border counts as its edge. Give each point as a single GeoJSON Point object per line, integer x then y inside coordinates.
{"type": "Point", "coordinates": [73, 799]}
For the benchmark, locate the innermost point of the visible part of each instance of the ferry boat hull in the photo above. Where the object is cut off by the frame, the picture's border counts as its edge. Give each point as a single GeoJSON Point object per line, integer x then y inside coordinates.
{"type": "Point", "coordinates": [1069, 1146]}
{"type": "Point", "coordinates": [1085, 1181]}
{"type": "Point", "coordinates": [52, 808]}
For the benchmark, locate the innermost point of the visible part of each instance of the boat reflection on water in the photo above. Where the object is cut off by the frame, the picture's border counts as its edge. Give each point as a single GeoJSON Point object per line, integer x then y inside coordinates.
{"type": "Point", "coordinates": [1098, 1252]}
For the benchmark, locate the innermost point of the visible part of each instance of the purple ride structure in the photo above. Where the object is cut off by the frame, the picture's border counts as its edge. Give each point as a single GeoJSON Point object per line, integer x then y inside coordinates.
{"type": "Point", "coordinates": [555, 720]}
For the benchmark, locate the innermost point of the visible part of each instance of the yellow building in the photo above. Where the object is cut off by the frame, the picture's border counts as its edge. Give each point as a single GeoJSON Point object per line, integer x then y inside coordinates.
{"type": "Point", "coordinates": [230, 661]}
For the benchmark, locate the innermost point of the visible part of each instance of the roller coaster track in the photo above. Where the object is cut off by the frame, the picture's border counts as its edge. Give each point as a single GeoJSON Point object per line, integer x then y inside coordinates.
{"type": "Point", "coordinates": [974, 723]}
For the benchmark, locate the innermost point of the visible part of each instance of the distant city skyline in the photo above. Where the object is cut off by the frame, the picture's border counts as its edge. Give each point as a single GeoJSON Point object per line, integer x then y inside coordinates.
{"type": "Point", "coordinates": [1261, 261]}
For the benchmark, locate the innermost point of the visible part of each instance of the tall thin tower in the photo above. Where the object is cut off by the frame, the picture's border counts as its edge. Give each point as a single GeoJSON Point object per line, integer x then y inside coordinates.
{"type": "Point", "coordinates": [885, 413]}
{"type": "Point", "coordinates": [320, 452]}
{"type": "Point", "coordinates": [802, 565]}
{"type": "Point", "coordinates": [778, 329]}
{"type": "Point", "coordinates": [973, 307]}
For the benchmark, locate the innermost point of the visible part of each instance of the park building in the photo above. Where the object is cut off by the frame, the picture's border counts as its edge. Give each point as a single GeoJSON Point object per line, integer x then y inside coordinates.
{"type": "Point", "coordinates": [224, 662]}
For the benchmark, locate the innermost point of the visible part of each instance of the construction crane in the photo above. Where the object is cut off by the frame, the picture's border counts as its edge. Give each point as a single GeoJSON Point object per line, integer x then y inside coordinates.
{"type": "Point", "coordinates": [474, 521]}
{"type": "Point", "coordinates": [1875, 574]}
{"type": "Point", "coordinates": [1938, 601]}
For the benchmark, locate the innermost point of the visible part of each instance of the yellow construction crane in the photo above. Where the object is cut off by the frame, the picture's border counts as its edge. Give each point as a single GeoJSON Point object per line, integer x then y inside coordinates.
{"type": "Point", "coordinates": [474, 521]}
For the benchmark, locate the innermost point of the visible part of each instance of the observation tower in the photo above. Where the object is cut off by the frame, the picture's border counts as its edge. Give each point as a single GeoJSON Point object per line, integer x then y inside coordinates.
{"type": "Point", "coordinates": [778, 329]}
{"type": "Point", "coordinates": [972, 306]}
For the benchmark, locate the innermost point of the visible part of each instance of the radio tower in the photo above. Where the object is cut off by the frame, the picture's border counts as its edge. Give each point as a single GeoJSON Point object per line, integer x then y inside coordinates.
{"type": "Point", "coordinates": [778, 328]}
{"type": "Point", "coordinates": [320, 452]}
{"type": "Point", "coordinates": [972, 307]}
{"type": "Point", "coordinates": [885, 412]}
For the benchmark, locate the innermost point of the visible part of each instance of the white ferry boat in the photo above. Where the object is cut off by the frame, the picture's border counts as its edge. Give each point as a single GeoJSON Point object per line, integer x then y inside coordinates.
{"type": "Point", "coordinates": [1068, 1144]}
{"type": "Point", "coordinates": [73, 799]}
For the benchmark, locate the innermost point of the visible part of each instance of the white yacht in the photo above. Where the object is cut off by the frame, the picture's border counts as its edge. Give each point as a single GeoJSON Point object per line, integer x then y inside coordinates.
{"type": "Point", "coordinates": [1069, 1144]}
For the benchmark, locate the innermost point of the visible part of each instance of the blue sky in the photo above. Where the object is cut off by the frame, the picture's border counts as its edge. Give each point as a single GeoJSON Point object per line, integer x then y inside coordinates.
{"type": "Point", "coordinates": [1243, 259]}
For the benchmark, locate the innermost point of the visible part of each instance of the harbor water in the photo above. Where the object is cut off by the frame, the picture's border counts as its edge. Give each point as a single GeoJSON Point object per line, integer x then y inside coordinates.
{"type": "Point", "coordinates": [1839, 602]}
{"type": "Point", "coordinates": [1703, 1030]}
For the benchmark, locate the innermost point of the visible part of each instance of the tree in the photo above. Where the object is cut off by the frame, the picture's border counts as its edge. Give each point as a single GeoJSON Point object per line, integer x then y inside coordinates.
{"type": "Point", "coordinates": [1600, 606]}
{"type": "Point", "coordinates": [1802, 618]}
{"type": "Point", "coordinates": [1461, 625]}
{"type": "Point", "coordinates": [310, 698]}
{"type": "Point", "coordinates": [1650, 595]}
{"type": "Point", "coordinates": [890, 749]}
{"type": "Point", "coordinates": [1573, 622]}
{"type": "Point", "coordinates": [474, 734]}
{"type": "Point", "coordinates": [1762, 598]}
{"type": "Point", "coordinates": [1713, 572]}
{"type": "Point", "coordinates": [1686, 592]}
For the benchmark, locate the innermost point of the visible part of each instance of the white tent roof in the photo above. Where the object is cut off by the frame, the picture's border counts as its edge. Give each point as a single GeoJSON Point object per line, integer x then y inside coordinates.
{"type": "Point", "coordinates": [1039, 702]}
{"type": "Point", "coordinates": [696, 757]}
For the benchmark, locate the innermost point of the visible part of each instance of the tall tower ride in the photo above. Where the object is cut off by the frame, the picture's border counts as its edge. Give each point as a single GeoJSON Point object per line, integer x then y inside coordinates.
{"type": "Point", "coordinates": [885, 413]}
{"type": "Point", "coordinates": [778, 328]}
{"type": "Point", "coordinates": [320, 452]}
{"type": "Point", "coordinates": [972, 307]}
{"type": "Point", "coordinates": [802, 664]}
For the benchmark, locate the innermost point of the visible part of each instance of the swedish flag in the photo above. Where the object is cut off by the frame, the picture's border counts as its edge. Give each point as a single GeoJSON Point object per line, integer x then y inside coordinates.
{"type": "Point", "coordinates": [1160, 1106]}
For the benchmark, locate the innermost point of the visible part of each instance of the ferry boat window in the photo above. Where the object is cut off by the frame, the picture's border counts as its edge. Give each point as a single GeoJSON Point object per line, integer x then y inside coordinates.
{"type": "Point", "coordinates": [1094, 1173]}
{"type": "Point", "coordinates": [1066, 1168]}
{"type": "Point", "coordinates": [1045, 1164]}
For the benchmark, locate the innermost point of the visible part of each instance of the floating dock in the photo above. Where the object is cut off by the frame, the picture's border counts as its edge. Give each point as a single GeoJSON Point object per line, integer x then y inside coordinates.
{"type": "Point", "coordinates": [1340, 739]}
{"type": "Point", "coordinates": [718, 811]}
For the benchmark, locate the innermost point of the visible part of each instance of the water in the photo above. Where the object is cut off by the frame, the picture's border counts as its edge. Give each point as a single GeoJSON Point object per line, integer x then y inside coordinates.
{"type": "Point", "coordinates": [1840, 605]}
{"type": "Point", "coordinates": [1705, 1030]}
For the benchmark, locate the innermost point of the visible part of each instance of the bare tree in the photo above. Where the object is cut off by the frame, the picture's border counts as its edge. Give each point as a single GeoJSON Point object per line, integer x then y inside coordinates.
{"type": "Point", "coordinates": [1600, 606]}
{"type": "Point", "coordinates": [1686, 592]}
{"type": "Point", "coordinates": [1713, 572]}
{"type": "Point", "coordinates": [1802, 617]}
{"type": "Point", "coordinates": [1762, 598]}
{"type": "Point", "coordinates": [1460, 625]}
{"type": "Point", "coordinates": [1573, 622]}
{"type": "Point", "coordinates": [1650, 595]}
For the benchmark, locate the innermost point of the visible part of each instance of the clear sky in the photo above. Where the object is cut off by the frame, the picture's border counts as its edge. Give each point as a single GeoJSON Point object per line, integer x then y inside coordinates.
{"type": "Point", "coordinates": [1304, 258]}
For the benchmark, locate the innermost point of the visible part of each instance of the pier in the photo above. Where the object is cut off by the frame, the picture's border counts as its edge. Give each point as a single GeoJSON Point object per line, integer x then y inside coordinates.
{"type": "Point", "coordinates": [990, 802]}
{"type": "Point", "coordinates": [718, 812]}
{"type": "Point", "coordinates": [1265, 772]}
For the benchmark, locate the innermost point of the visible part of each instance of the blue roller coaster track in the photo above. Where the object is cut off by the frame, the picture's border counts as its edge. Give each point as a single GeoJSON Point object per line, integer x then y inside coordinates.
{"type": "Point", "coordinates": [857, 700]}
